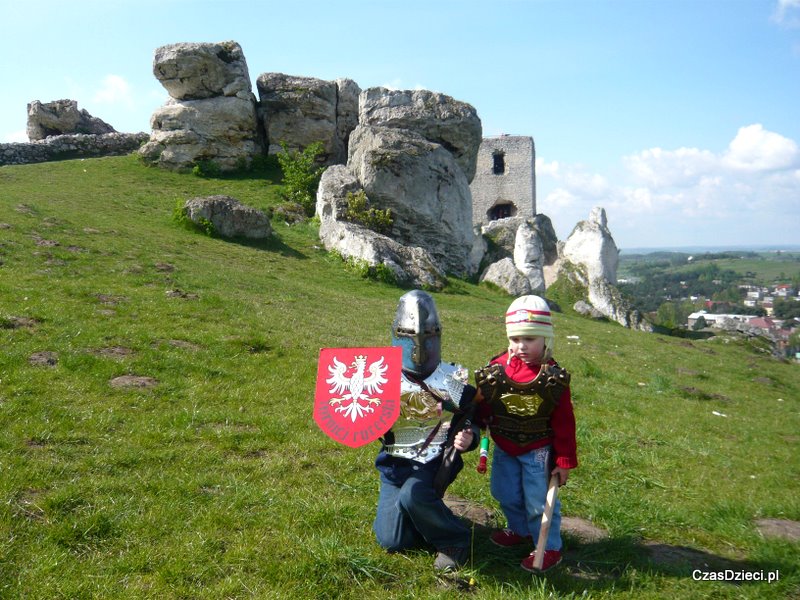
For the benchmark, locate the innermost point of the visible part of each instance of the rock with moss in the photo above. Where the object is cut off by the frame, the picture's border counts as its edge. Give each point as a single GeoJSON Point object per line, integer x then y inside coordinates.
{"type": "Point", "coordinates": [426, 191]}
{"type": "Point", "coordinates": [228, 217]}
{"type": "Point", "coordinates": [299, 111]}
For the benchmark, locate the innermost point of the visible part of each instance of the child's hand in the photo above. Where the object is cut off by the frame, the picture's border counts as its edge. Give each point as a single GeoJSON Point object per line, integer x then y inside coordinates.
{"type": "Point", "coordinates": [463, 440]}
{"type": "Point", "coordinates": [563, 475]}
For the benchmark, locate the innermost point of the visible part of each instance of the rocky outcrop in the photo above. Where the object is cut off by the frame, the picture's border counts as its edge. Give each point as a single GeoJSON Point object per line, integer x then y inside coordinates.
{"type": "Point", "coordinates": [211, 114]}
{"type": "Point", "coordinates": [590, 259]}
{"type": "Point", "coordinates": [423, 186]}
{"type": "Point", "coordinates": [529, 256]}
{"type": "Point", "coordinates": [505, 275]}
{"type": "Point", "coordinates": [62, 117]}
{"type": "Point", "coordinates": [401, 168]}
{"type": "Point", "coordinates": [199, 71]}
{"type": "Point", "coordinates": [590, 244]}
{"type": "Point", "coordinates": [62, 147]}
{"type": "Point", "coordinates": [302, 110]}
{"type": "Point", "coordinates": [529, 244]}
{"type": "Point", "coordinates": [229, 217]}
{"type": "Point", "coordinates": [438, 118]}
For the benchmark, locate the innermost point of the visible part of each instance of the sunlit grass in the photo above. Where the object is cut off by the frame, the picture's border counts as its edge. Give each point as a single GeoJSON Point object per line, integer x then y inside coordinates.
{"type": "Point", "coordinates": [215, 482]}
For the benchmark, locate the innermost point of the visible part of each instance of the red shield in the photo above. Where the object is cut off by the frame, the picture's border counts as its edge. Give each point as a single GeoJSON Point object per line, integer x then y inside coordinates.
{"type": "Point", "coordinates": [358, 393]}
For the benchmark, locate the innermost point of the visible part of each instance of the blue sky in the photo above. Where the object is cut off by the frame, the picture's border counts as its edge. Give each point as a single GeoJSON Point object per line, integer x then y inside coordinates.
{"type": "Point", "coordinates": [680, 117]}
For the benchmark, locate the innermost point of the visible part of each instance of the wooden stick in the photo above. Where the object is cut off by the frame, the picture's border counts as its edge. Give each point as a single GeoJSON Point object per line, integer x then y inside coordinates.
{"type": "Point", "coordinates": [547, 517]}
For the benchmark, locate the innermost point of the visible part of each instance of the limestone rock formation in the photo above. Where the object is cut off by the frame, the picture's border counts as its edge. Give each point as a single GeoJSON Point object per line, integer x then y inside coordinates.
{"type": "Point", "coordinates": [425, 189]}
{"type": "Point", "coordinates": [531, 244]}
{"type": "Point", "coordinates": [529, 256]}
{"type": "Point", "coordinates": [505, 275]}
{"type": "Point", "coordinates": [410, 266]}
{"type": "Point", "coordinates": [229, 217]}
{"type": "Point", "coordinates": [302, 110]}
{"type": "Point", "coordinates": [211, 114]}
{"type": "Point", "coordinates": [436, 117]}
{"type": "Point", "coordinates": [62, 117]}
{"type": "Point", "coordinates": [407, 169]}
{"type": "Point", "coordinates": [590, 258]}
{"type": "Point", "coordinates": [590, 244]}
{"type": "Point", "coordinates": [198, 71]}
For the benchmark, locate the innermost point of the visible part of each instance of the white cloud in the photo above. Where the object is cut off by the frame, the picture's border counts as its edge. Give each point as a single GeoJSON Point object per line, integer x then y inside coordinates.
{"type": "Point", "coordinates": [752, 187]}
{"type": "Point", "coordinates": [755, 149]}
{"type": "Point", "coordinates": [787, 12]}
{"type": "Point", "coordinates": [114, 90]}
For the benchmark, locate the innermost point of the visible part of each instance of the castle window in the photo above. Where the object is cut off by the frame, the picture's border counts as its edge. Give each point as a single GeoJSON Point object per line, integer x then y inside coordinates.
{"type": "Point", "coordinates": [501, 211]}
{"type": "Point", "coordinates": [498, 163]}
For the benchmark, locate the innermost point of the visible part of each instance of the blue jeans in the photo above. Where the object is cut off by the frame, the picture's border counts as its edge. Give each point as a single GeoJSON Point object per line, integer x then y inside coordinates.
{"type": "Point", "coordinates": [410, 513]}
{"type": "Point", "coordinates": [519, 484]}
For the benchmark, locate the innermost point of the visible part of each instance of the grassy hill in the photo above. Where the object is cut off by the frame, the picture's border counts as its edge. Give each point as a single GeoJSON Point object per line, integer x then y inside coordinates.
{"type": "Point", "coordinates": [210, 479]}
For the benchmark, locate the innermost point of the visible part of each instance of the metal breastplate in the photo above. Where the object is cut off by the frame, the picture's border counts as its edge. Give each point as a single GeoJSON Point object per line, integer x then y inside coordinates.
{"type": "Point", "coordinates": [421, 430]}
{"type": "Point", "coordinates": [521, 411]}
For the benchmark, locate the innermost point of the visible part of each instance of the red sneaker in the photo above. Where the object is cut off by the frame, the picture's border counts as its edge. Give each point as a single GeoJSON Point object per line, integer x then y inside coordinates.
{"type": "Point", "coordinates": [507, 538]}
{"type": "Point", "coordinates": [551, 559]}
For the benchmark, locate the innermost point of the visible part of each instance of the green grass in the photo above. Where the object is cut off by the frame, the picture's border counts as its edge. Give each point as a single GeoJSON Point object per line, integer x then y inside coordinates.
{"type": "Point", "coordinates": [216, 483]}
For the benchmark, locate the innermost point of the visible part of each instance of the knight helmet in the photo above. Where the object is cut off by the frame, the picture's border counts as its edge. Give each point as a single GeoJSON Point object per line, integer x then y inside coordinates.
{"type": "Point", "coordinates": [418, 331]}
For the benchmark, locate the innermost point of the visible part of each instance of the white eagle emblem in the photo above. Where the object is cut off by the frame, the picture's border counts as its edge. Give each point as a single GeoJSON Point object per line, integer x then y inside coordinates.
{"type": "Point", "coordinates": [355, 385]}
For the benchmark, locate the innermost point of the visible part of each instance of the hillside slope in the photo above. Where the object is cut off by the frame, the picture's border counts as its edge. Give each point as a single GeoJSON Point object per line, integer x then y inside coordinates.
{"type": "Point", "coordinates": [209, 478]}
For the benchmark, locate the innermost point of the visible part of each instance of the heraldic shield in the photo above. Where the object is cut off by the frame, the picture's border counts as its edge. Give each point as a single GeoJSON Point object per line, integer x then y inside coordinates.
{"type": "Point", "coordinates": [357, 397]}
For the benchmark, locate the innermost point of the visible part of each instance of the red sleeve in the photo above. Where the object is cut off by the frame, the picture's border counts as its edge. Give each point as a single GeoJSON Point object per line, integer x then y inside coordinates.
{"type": "Point", "coordinates": [562, 422]}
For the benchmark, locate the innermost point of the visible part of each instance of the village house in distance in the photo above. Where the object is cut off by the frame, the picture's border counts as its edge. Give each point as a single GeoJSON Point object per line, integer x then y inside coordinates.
{"type": "Point", "coordinates": [777, 330]}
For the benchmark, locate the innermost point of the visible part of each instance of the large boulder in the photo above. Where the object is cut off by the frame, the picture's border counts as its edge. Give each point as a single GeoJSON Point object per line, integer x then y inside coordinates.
{"type": "Point", "coordinates": [590, 244]}
{"type": "Point", "coordinates": [425, 189]}
{"type": "Point", "coordinates": [229, 217]}
{"type": "Point", "coordinates": [211, 113]}
{"type": "Point", "coordinates": [410, 266]}
{"type": "Point", "coordinates": [589, 259]}
{"type": "Point", "coordinates": [505, 275]}
{"type": "Point", "coordinates": [302, 110]}
{"type": "Point", "coordinates": [190, 71]}
{"type": "Point", "coordinates": [438, 118]}
{"type": "Point", "coordinates": [62, 117]}
{"type": "Point", "coordinates": [529, 256]}
{"type": "Point", "coordinates": [220, 129]}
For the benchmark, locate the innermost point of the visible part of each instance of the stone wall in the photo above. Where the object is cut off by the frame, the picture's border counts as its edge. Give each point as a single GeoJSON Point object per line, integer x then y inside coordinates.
{"type": "Point", "coordinates": [514, 187]}
{"type": "Point", "coordinates": [62, 147]}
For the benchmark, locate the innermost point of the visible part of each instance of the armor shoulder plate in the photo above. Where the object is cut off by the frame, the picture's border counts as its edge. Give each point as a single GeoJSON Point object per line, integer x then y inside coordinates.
{"type": "Point", "coordinates": [489, 380]}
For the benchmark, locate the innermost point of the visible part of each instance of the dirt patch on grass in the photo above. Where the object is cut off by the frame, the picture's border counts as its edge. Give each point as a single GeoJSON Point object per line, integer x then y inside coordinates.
{"type": "Point", "coordinates": [178, 293]}
{"type": "Point", "coordinates": [471, 511]}
{"type": "Point", "coordinates": [115, 352]}
{"type": "Point", "coordinates": [18, 322]}
{"type": "Point", "coordinates": [779, 528]}
{"type": "Point", "coordinates": [133, 381]}
{"type": "Point", "coordinates": [698, 394]}
{"type": "Point", "coordinates": [110, 300]}
{"type": "Point", "coordinates": [43, 359]}
{"type": "Point", "coordinates": [584, 531]}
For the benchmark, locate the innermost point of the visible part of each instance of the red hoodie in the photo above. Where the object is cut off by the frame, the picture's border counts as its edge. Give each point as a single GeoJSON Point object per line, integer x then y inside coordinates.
{"type": "Point", "coordinates": [562, 421]}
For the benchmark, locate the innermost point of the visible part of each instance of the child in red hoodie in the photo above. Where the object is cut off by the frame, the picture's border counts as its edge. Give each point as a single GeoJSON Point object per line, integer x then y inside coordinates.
{"type": "Point", "coordinates": [528, 411]}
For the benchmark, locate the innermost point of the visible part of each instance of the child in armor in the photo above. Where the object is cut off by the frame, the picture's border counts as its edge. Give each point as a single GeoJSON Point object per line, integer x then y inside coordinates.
{"type": "Point", "coordinates": [410, 510]}
{"type": "Point", "coordinates": [527, 408]}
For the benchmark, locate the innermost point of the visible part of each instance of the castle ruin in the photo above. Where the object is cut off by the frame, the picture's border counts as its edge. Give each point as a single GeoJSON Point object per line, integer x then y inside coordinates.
{"type": "Point", "coordinates": [505, 179]}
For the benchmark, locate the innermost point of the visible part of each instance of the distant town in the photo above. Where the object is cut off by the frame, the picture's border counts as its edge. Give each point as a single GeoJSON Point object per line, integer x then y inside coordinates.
{"type": "Point", "coordinates": [752, 293]}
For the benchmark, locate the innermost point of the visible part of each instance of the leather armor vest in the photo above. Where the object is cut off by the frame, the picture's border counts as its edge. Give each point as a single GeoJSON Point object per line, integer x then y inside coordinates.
{"type": "Point", "coordinates": [425, 412]}
{"type": "Point", "coordinates": [521, 411]}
